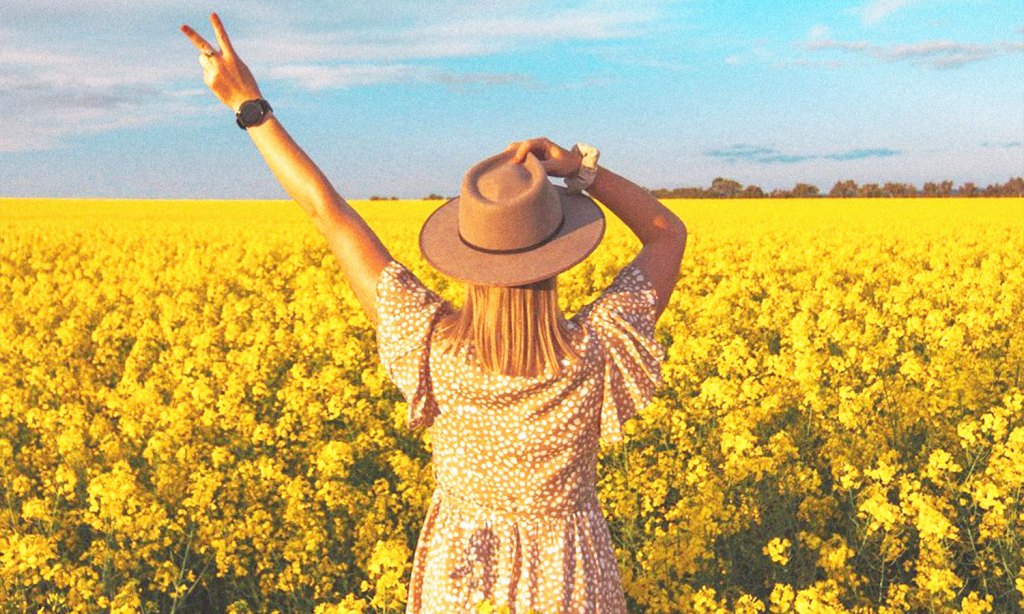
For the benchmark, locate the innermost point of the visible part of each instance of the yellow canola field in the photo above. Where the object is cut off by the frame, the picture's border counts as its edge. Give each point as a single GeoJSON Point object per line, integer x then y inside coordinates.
{"type": "Point", "coordinates": [192, 416]}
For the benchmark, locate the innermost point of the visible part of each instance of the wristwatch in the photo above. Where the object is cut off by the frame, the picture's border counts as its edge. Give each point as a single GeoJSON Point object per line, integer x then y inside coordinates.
{"type": "Point", "coordinates": [252, 113]}
{"type": "Point", "coordinates": [588, 169]}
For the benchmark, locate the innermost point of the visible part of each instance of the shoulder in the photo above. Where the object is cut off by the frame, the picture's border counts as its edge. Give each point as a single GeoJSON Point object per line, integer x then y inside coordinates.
{"type": "Point", "coordinates": [630, 292]}
{"type": "Point", "coordinates": [399, 289]}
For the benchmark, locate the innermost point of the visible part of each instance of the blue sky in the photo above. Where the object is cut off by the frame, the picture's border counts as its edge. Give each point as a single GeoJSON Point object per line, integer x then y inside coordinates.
{"type": "Point", "coordinates": [105, 98]}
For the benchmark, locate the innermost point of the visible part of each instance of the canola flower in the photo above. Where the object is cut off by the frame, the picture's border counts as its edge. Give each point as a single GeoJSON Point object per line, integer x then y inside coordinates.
{"type": "Point", "coordinates": [192, 415]}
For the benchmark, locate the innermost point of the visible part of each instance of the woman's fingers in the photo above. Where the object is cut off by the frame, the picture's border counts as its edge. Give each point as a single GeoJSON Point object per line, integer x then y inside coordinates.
{"type": "Point", "coordinates": [198, 40]}
{"type": "Point", "coordinates": [556, 161]}
{"type": "Point", "coordinates": [223, 72]}
{"type": "Point", "coordinates": [522, 148]}
{"type": "Point", "coordinates": [539, 146]}
{"type": "Point", "coordinates": [222, 35]}
{"type": "Point", "coordinates": [521, 151]}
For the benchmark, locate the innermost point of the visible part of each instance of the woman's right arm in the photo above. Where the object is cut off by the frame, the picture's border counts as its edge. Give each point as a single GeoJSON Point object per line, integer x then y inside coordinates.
{"type": "Point", "coordinates": [662, 233]}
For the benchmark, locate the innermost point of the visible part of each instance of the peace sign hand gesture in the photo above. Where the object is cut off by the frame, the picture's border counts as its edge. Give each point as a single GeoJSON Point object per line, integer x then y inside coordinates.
{"type": "Point", "coordinates": [224, 72]}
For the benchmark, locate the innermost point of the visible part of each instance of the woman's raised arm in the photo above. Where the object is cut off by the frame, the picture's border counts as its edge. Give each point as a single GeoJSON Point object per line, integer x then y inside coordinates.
{"type": "Point", "coordinates": [359, 250]}
{"type": "Point", "coordinates": [662, 233]}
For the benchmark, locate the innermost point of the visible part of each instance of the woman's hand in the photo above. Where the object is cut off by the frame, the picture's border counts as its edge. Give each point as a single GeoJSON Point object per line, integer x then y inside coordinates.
{"type": "Point", "coordinates": [558, 162]}
{"type": "Point", "coordinates": [224, 72]}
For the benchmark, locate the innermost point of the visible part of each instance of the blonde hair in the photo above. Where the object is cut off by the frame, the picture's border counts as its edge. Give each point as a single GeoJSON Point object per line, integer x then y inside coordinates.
{"type": "Point", "coordinates": [516, 330]}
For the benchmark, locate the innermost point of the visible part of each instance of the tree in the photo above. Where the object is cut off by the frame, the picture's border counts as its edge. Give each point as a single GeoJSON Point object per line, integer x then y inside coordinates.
{"type": "Point", "coordinates": [869, 190]}
{"type": "Point", "coordinates": [805, 190]}
{"type": "Point", "coordinates": [752, 191]}
{"type": "Point", "coordinates": [937, 190]}
{"type": "Point", "coordinates": [898, 190]}
{"type": "Point", "coordinates": [725, 188]}
{"type": "Point", "coordinates": [844, 189]}
{"type": "Point", "coordinates": [1014, 187]}
{"type": "Point", "coordinates": [968, 189]}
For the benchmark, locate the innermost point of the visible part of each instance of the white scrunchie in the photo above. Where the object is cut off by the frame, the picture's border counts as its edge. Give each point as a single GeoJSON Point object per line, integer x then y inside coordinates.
{"type": "Point", "coordinates": [588, 169]}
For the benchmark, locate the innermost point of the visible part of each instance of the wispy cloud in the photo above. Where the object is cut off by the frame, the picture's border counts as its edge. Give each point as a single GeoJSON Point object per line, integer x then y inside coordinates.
{"type": "Point", "coordinates": [860, 154]}
{"type": "Point", "coordinates": [740, 152]}
{"type": "Point", "coordinates": [936, 54]}
{"type": "Point", "coordinates": [322, 77]}
{"type": "Point", "coordinates": [808, 63]}
{"type": "Point", "coordinates": [366, 56]}
{"type": "Point", "coordinates": [769, 155]}
{"type": "Point", "coordinates": [93, 95]}
{"type": "Point", "coordinates": [452, 38]}
{"type": "Point", "coordinates": [877, 10]}
{"type": "Point", "coordinates": [100, 88]}
{"type": "Point", "coordinates": [574, 24]}
{"type": "Point", "coordinates": [759, 53]}
{"type": "Point", "coordinates": [1004, 145]}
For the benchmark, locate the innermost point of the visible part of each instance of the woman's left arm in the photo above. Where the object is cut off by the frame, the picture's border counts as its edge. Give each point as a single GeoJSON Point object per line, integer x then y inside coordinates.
{"type": "Point", "coordinates": [359, 250]}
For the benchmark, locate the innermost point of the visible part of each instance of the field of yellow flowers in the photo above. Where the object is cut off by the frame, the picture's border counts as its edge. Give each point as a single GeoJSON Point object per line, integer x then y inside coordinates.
{"type": "Point", "coordinates": [192, 417]}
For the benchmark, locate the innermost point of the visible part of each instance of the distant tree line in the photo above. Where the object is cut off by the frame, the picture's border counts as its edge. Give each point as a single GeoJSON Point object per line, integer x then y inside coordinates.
{"type": "Point", "coordinates": [728, 188]}
{"type": "Point", "coordinates": [722, 187]}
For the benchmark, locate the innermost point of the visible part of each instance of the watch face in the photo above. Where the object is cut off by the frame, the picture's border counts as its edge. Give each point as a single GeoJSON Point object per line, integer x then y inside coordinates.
{"type": "Point", "coordinates": [250, 112]}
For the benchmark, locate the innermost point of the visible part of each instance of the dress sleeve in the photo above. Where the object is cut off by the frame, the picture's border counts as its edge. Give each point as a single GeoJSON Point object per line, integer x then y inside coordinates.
{"type": "Point", "coordinates": [406, 314]}
{"type": "Point", "coordinates": [623, 319]}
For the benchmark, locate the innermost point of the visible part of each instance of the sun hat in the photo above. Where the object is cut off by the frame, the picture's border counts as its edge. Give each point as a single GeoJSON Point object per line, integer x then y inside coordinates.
{"type": "Point", "coordinates": [510, 226]}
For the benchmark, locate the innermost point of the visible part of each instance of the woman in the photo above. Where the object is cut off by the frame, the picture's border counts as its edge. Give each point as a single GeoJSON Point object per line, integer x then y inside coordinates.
{"type": "Point", "coordinates": [518, 396]}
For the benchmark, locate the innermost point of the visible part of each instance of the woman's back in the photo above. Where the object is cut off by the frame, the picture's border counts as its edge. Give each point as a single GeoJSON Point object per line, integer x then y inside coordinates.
{"type": "Point", "coordinates": [515, 516]}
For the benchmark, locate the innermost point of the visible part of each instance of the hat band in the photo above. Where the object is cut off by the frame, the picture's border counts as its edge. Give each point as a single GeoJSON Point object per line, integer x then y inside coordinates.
{"type": "Point", "coordinates": [517, 250]}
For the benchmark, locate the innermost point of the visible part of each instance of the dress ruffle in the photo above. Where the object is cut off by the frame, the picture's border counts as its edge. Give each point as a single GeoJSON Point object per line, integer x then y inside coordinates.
{"type": "Point", "coordinates": [623, 319]}
{"type": "Point", "coordinates": [406, 314]}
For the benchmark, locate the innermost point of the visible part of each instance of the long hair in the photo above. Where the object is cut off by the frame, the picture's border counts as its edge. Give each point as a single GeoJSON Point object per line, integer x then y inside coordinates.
{"type": "Point", "coordinates": [515, 330]}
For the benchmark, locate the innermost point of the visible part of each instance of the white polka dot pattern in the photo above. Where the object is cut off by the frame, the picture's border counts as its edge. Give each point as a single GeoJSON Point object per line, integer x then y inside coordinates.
{"type": "Point", "coordinates": [623, 318]}
{"type": "Point", "coordinates": [514, 516]}
{"type": "Point", "coordinates": [406, 314]}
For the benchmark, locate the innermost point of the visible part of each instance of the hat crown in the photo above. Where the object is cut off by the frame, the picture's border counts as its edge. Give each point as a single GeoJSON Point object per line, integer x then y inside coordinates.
{"type": "Point", "coordinates": [506, 206]}
{"type": "Point", "coordinates": [503, 182]}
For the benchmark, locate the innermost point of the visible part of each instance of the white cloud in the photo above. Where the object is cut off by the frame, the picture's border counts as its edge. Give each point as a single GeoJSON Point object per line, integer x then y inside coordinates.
{"type": "Point", "coordinates": [452, 38]}
{"type": "Point", "coordinates": [31, 132]}
{"type": "Point", "coordinates": [877, 10]}
{"type": "Point", "coordinates": [116, 78]}
{"type": "Point", "coordinates": [818, 31]}
{"type": "Point", "coordinates": [379, 55]}
{"type": "Point", "coordinates": [340, 46]}
{"type": "Point", "coordinates": [941, 53]}
{"type": "Point", "coordinates": [827, 43]}
{"type": "Point", "coordinates": [321, 77]}
{"type": "Point", "coordinates": [317, 77]}
{"type": "Point", "coordinates": [937, 54]}
{"type": "Point", "coordinates": [806, 63]}
{"type": "Point", "coordinates": [50, 96]}
{"type": "Point", "coordinates": [575, 24]}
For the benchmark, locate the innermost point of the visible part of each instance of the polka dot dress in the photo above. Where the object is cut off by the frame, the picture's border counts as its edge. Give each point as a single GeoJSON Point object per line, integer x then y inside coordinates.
{"type": "Point", "coordinates": [514, 516]}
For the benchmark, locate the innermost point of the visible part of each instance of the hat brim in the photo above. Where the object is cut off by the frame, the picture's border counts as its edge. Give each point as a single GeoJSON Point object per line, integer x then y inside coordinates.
{"type": "Point", "coordinates": [580, 234]}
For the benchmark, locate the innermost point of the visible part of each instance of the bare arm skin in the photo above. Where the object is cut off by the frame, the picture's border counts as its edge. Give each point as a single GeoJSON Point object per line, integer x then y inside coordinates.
{"type": "Point", "coordinates": [662, 233]}
{"type": "Point", "coordinates": [359, 251]}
